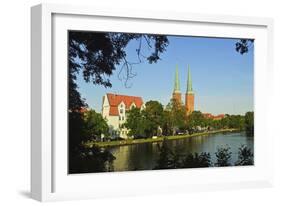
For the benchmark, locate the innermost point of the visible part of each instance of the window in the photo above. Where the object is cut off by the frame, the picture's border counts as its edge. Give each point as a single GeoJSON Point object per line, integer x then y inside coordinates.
{"type": "Point", "coordinates": [123, 118]}
{"type": "Point", "coordinates": [121, 111]}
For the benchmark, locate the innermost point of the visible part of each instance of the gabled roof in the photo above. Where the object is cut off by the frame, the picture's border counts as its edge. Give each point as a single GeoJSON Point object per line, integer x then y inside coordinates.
{"type": "Point", "coordinates": [115, 99]}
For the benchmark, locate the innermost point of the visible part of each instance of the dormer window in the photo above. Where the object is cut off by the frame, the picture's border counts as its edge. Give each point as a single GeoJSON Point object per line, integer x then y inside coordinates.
{"type": "Point", "coordinates": [133, 105]}
{"type": "Point", "coordinates": [142, 107]}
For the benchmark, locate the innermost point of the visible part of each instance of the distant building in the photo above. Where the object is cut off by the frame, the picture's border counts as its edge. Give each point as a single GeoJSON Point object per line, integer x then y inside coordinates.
{"type": "Point", "coordinates": [189, 95]}
{"type": "Point", "coordinates": [213, 117]}
{"type": "Point", "coordinates": [114, 110]}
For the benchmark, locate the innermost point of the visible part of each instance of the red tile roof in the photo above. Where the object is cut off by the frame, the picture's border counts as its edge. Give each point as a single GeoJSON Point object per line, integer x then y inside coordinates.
{"type": "Point", "coordinates": [83, 109]}
{"type": "Point", "coordinates": [215, 117]}
{"type": "Point", "coordinates": [115, 99]}
{"type": "Point", "coordinates": [207, 115]}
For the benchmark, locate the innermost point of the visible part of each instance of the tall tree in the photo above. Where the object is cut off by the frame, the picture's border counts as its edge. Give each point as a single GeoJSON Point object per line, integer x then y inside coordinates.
{"type": "Point", "coordinates": [177, 115]}
{"type": "Point", "coordinates": [145, 123]}
{"type": "Point", "coordinates": [94, 125]}
{"type": "Point", "coordinates": [249, 124]}
{"type": "Point", "coordinates": [167, 123]}
{"type": "Point", "coordinates": [154, 115]}
{"type": "Point", "coordinates": [135, 122]}
{"type": "Point", "coordinates": [196, 118]}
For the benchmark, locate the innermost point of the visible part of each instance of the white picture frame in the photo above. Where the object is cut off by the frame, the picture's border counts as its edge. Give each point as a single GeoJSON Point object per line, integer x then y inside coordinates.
{"type": "Point", "coordinates": [49, 178]}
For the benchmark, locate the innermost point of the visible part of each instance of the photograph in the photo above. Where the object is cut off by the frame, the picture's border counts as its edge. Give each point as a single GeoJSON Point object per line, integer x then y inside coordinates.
{"type": "Point", "coordinates": [139, 101]}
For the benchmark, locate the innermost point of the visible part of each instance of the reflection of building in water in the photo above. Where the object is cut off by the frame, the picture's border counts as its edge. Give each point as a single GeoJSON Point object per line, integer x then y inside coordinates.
{"type": "Point", "coordinates": [114, 110]}
{"type": "Point", "coordinates": [122, 155]}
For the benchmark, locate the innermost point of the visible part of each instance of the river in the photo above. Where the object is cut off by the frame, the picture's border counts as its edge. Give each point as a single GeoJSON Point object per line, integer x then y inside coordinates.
{"type": "Point", "coordinates": [144, 156]}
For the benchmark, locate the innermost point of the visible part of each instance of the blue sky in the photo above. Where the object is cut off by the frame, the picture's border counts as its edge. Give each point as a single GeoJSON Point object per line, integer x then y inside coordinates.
{"type": "Point", "coordinates": [222, 78]}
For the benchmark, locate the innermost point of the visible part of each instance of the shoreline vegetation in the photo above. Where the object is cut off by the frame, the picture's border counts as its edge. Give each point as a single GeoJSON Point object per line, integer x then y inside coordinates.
{"type": "Point", "coordinates": [116, 143]}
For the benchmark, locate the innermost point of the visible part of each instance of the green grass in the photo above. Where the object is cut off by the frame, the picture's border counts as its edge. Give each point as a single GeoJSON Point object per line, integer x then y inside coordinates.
{"type": "Point", "coordinates": [148, 140]}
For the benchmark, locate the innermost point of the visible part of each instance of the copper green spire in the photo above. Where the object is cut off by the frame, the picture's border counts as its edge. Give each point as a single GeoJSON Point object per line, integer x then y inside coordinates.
{"type": "Point", "coordinates": [177, 81]}
{"type": "Point", "coordinates": [189, 89]}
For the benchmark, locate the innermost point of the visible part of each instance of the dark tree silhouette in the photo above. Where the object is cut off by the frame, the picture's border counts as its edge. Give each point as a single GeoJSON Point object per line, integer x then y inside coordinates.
{"type": "Point", "coordinates": [96, 55]}
{"type": "Point", "coordinates": [92, 159]}
{"type": "Point", "coordinates": [223, 155]}
{"type": "Point", "coordinates": [243, 45]}
{"type": "Point", "coordinates": [165, 158]}
{"type": "Point", "coordinates": [249, 124]}
{"type": "Point", "coordinates": [245, 156]}
{"type": "Point", "coordinates": [169, 159]}
{"type": "Point", "coordinates": [197, 160]}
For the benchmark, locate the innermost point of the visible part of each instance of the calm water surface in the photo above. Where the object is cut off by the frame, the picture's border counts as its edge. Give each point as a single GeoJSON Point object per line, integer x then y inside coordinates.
{"type": "Point", "coordinates": [144, 156]}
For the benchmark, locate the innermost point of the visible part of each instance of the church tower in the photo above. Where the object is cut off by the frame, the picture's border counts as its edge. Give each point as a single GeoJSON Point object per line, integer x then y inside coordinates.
{"type": "Point", "coordinates": [176, 92]}
{"type": "Point", "coordinates": [189, 95]}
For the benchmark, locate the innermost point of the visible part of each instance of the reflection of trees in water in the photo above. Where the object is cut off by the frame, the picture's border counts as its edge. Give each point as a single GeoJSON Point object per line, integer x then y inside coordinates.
{"type": "Point", "coordinates": [188, 144]}
{"type": "Point", "coordinates": [122, 158]}
{"type": "Point", "coordinates": [135, 157]}
{"type": "Point", "coordinates": [183, 153]}
{"type": "Point", "coordinates": [146, 160]}
{"type": "Point", "coordinates": [211, 143]}
{"type": "Point", "coordinates": [169, 159]}
{"type": "Point", "coordinates": [92, 159]}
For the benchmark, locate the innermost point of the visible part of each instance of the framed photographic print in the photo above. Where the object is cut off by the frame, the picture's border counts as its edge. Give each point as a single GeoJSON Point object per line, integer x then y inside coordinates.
{"type": "Point", "coordinates": [135, 102]}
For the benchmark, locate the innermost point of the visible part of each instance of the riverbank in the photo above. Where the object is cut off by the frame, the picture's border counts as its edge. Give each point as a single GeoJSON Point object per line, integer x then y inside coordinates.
{"type": "Point", "coordinates": [150, 140]}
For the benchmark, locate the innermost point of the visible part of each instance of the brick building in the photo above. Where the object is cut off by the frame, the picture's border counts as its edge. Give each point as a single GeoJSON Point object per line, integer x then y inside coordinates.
{"type": "Point", "coordinates": [189, 95]}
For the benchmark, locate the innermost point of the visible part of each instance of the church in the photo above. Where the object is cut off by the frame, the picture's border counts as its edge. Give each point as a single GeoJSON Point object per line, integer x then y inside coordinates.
{"type": "Point", "coordinates": [189, 94]}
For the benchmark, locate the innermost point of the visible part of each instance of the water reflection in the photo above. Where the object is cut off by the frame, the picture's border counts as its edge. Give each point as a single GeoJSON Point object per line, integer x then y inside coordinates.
{"type": "Point", "coordinates": [144, 156]}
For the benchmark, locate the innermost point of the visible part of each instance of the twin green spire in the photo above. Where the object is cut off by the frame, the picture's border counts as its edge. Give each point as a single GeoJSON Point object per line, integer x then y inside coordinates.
{"type": "Point", "coordinates": [189, 83]}
{"type": "Point", "coordinates": [177, 81]}
{"type": "Point", "coordinates": [189, 89]}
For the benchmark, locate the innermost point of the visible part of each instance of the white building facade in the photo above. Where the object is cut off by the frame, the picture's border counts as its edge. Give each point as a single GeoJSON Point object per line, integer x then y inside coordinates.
{"type": "Point", "coordinates": [114, 110]}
